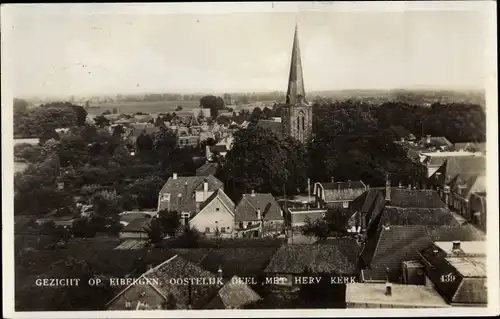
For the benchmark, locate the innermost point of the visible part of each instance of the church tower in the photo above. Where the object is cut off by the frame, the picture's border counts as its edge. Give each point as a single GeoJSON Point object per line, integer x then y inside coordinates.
{"type": "Point", "coordinates": [296, 117]}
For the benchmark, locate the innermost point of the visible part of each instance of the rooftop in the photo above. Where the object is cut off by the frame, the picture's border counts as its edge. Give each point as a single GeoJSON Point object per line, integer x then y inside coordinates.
{"type": "Point", "coordinates": [467, 248]}
{"type": "Point", "coordinates": [413, 296]}
{"type": "Point", "coordinates": [338, 257]}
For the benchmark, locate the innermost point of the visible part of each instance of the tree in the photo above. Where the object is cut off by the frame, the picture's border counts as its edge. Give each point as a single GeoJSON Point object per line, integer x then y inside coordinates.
{"type": "Point", "coordinates": [214, 103]}
{"type": "Point", "coordinates": [28, 152]}
{"type": "Point", "coordinates": [256, 161]}
{"type": "Point", "coordinates": [178, 108]}
{"type": "Point", "coordinates": [115, 110]}
{"type": "Point", "coordinates": [101, 121]}
{"type": "Point", "coordinates": [154, 231]}
{"type": "Point", "coordinates": [82, 227]}
{"type": "Point", "coordinates": [169, 222]}
{"type": "Point", "coordinates": [146, 190]}
{"type": "Point", "coordinates": [118, 131]}
{"type": "Point", "coordinates": [190, 237]}
{"type": "Point", "coordinates": [20, 105]}
{"type": "Point", "coordinates": [144, 142]}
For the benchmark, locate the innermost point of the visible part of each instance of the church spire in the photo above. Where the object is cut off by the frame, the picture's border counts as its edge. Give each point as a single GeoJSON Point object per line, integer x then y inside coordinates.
{"type": "Point", "coordinates": [295, 80]}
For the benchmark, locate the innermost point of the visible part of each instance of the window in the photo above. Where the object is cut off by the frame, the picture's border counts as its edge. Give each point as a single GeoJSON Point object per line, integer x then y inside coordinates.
{"type": "Point", "coordinates": [249, 224]}
{"type": "Point", "coordinates": [207, 229]}
{"type": "Point", "coordinates": [345, 204]}
{"type": "Point", "coordinates": [303, 124]}
{"type": "Point", "coordinates": [241, 225]}
{"type": "Point", "coordinates": [217, 209]}
{"type": "Point", "coordinates": [222, 229]}
{"type": "Point", "coordinates": [298, 123]}
{"type": "Point", "coordinates": [128, 304]}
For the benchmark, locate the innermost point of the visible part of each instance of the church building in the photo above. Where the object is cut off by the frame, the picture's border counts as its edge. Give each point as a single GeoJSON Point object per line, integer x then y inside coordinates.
{"type": "Point", "coordinates": [296, 116]}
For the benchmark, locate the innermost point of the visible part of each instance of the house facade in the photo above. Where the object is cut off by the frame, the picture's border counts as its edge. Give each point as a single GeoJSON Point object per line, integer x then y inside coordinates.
{"type": "Point", "coordinates": [216, 216]}
{"type": "Point", "coordinates": [337, 194]}
{"type": "Point", "coordinates": [186, 194]}
{"type": "Point", "coordinates": [258, 215]}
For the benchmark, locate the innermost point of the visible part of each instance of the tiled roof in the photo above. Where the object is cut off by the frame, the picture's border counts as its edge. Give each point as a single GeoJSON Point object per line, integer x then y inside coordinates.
{"type": "Point", "coordinates": [131, 216]}
{"type": "Point", "coordinates": [239, 261]}
{"type": "Point", "coordinates": [391, 246]}
{"type": "Point", "coordinates": [233, 295]}
{"type": "Point", "coordinates": [417, 216]}
{"type": "Point", "coordinates": [207, 169]}
{"type": "Point", "coordinates": [187, 186]}
{"type": "Point", "coordinates": [469, 284]}
{"type": "Point", "coordinates": [343, 190]}
{"type": "Point", "coordinates": [465, 166]}
{"type": "Point", "coordinates": [295, 259]}
{"type": "Point", "coordinates": [450, 233]}
{"type": "Point", "coordinates": [177, 267]}
{"type": "Point", "coordinates": [137, 225]}
{"type": "Point", "coordinates": [246, 210]}
{"type": "Point", "coordinates": [275, 127]}
{"type": "Point", "coordinates": [222, 197]}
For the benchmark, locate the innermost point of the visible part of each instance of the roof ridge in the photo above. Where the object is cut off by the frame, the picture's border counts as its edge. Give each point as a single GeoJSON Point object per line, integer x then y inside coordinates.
{"type": "Point", "coordinates": [141, 276]}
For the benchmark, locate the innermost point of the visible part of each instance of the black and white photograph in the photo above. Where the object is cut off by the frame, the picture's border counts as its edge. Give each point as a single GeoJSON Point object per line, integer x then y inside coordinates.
{"type": "Point", "coordinates": [249, 159]}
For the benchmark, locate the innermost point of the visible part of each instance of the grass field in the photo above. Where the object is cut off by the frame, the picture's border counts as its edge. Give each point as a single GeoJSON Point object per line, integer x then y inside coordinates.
{"type": "Point", "coordinates": [143, 106]}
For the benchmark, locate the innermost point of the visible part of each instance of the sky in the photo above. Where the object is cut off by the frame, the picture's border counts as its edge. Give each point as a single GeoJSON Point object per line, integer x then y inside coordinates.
{"type": "Point", "coordinates": [110, 49]}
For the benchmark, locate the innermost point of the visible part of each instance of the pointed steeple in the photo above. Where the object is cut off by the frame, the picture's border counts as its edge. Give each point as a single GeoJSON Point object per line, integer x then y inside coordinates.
{"type": "Point", "coordinates": [295, 80]}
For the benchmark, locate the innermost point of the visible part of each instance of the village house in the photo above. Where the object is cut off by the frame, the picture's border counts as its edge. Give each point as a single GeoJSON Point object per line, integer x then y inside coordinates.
{"type": "Point", "coordinates": [398, 223]}
{"type": "Point", "coordinates": [216, 216]}
{"type": "Point", "coordinates": [136, 228]}
{"type": "Point", "coordinates": [337, 194]}
{"type": "Point", "coordinates": [458, 271]}
{"type": "Point", "coordinates": [201, 202]}
{"type": "Point", "coordinates": [457, 179]}
{"type": "Point", "coordinates": [157, 289]}
{"type": "Point", "coordinates": [478, 211]}
{"type": "Point", "coordinates": [258, 215]}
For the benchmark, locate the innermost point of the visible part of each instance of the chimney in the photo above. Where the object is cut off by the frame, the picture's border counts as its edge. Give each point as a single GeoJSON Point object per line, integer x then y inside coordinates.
{"type": "Point", "coordinates": [258, 214]}
{"type": "Point", "coordinates": [400, 185]}
{"type": "Point", "coordinates": [409, 186]}
{"type": "Point", "coordinates": [456, 245]}
{"type": "Point", "coordinates": [252, 193]}
{"type": "Point", "coordinates": [388, 285]}
{"type": "Point", "coordinates": [349, 181]}
{"type": "Point", "coordinates": [332, 179]}
{"type": "Point", "coordinates": [338, 186]}
{"type": "Point", "coordinates": [387, 188]}
{"type": "Point", "coordinates": [179, 199]}
{"type": "Point", "coordinates": [428, 139]}
{"type": "Point", "coordinates": [174, 176]}
{"type": "Point", "coordinates": [435, 252]}
{"type": "Point", "coordinates": [205, 190]}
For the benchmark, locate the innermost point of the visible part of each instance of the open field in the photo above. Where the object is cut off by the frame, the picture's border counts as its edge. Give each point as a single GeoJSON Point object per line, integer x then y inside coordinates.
{"type": "Point", "coordinates": [143, 106]}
